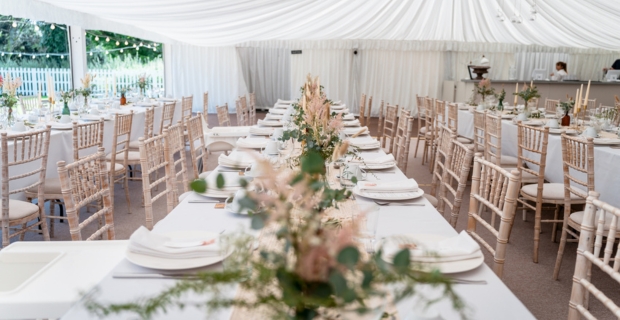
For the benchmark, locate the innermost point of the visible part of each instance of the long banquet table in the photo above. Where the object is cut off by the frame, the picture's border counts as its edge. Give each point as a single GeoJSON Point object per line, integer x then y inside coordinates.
{"type": "Point", "coordinates": [491, 301]}
{"type": "Point", "coordinates": [61, 141]}
{"type": "Point", "coordinates": [606, 159]}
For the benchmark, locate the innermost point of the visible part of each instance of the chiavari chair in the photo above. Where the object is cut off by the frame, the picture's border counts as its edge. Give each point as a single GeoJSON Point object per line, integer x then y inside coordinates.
{"type": "Point", "coordinates": [175, 144]}
{"type": "Point", "coordinates": [452, 121]}
{"type": "Point", "coordinates": [380, 124]}
{"type": "Point", "coordinates": [422, 129]}
{"type": "Point", "coordinates": [120, 153]}
{"type": "Point", "coordinates": [30, 103]}
{"type": "Point", "coordinates": [389, 126]}
{"type": "Point", "coordinates": [456, 171]}
{"type": "Point", "coordinates": [404, 131]}
{"type": "Point", "coordinates": [496, 189]}
{"type": "Point", "coordinates": [444, 138]}
{"type": "Point", "coordinates": [83, 182]}
{"type": "Point", "coordinates": [205, 103]}
{"type": "Point", "coordinates": [26, 148]}
{"type": "Point", "coordinates": [479, 128]}
{"type": "Point", "coordinates": [577, 162]}
{"type": "Point", "coordinates": [430, 128]}
{"type": "Point", "coordinates": [369, 111]}
{"type": "Point", "coordinates": [167, 116]}
{"type": "Point", "coordinates": [241, 114]}
{"type": "Point", "coordinates": [153, 157]}
{"type": "Point", "coordinates": [362, 116]}
{"type": "Point", "coordinates": [187, 104]}
{"type": "Point", "coordinates": [222, 115]}
{"type": "Point", "coordinates": [600, 220]}
{"type": "Point", "coordinates": [252, 109]}
{"type": "Point", "coordinates": [198, 151]}
{"type": "Point", "coordinates": [551, 106]}
{"type": "Point", "coordinates": [440, 112]}
{"type": "Point", "coordinates": [493, 142]}
{"type": "Point", "coordinates": [149, 131]}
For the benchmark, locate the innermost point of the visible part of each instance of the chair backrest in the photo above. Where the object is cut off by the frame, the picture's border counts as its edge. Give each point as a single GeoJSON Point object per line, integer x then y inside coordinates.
{"type": "Point", "coordinates": [175, 144]}
{"type": "Point", "coordinates": [205, 102]}
{"type": "Point", "coordinates": [241, 119]}
{"type": "Point", "coordinates": [496, 189]}
{"type": "Point", "coordinates": [369, 111]}
{"type": "Point", "coordinates": [440, 112]}
{"type": "Point", "coordinates": [453, 117]}
{"type": "Point", "coordinates": [186, 107]}
{"type": "Point", "coordinates": [551, 105]}
{"type": "Point", "coordinates": [154, 157]}
{"type": "Point", "coordinates": [390, 125]}
{"type": "Point", "coordinates": [456, 170]}
{"type": "Point", "coordinates": [577, 161]}
{"type": "Point", "coordinates": [197, 146]}
{"type": "Point", "coordinates": [167, 115]}
{"type": "Point", "coordinates": [598, 217]}
{"type": "Point", "coordinates": [380, 124]}
{"type": "Point", "coordinates": [222, 115]}
{"type": "Point", "coordinates": [404, 132]}
{"type": "Point", "coordinates": [532, 152]}
{"type": "Point", "coordinates": [83, 182]}
{"type": "Point", "coordinates": [244, 109]}
{"type": "Point", "coordinates": [252, 108]}
{"type": "Point", "coordinates": [362, 116]}
{"type": "Point", "coordinates": [149, 123]}
{"type": "Point", "coordinates": [30, 148]}
{"type": "Point", "coordinates": [421, 111]}
{"type": "Point", "coordinates": [429, 119]}
{"type": "Point", "coordinates": [479, 128]}
{"type": "Point", "coordinates": [493, 138]}
{"type": "Point", "coordinates": [30, 103]}
{"type": "Point", "coordinates": [444, 136]}
{"type": "Point", "coordinates": [120, 140]}
{"type": "Point", "coordinates": [87, 135]}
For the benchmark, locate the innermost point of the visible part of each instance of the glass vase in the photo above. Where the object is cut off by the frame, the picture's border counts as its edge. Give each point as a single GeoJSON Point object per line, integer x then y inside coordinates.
{"type": "Point", "coordinates": [65, 109]}
{"type": "Point", "coordinates": [8, 119]}
{"type": "Point", "coordinates": [500, 105]}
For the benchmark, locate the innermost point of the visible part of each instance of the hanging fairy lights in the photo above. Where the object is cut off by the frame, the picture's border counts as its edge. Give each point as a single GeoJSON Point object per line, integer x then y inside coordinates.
{"type": "Point", "coordinates": [516, 17]}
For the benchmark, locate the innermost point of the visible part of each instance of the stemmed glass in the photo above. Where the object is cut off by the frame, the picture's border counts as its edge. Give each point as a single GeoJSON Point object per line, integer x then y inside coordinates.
{"type": "Point", "coordinates": [368, 218]}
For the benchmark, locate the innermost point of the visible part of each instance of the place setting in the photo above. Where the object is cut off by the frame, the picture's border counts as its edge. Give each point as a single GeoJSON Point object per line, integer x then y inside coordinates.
{"type": "Point", "coordinates": [390, 192]}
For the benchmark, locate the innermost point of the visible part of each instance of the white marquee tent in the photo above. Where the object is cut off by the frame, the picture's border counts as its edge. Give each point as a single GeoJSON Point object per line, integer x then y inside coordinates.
{"type": "Point", "coordinates": [404, 47]}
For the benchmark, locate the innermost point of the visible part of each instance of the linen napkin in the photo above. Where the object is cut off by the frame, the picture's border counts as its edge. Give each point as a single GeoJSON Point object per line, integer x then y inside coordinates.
{"type": "Point", "coordinates": [352, 131]}
{"type": "Point", "coordinates": [236, 159]}
{"type": "Point", "coordinates": [252, 143]}
{"type": "Point", "coordinates": [408, 185]}
{"type": "Point", "coordinates": [261, 130]}
{"type": "Point", "coordinates": [364, 142]}
{"type": "Point", "coordinates": [385, 159]}
{"type": "Point", "coordinates": [277, 111]}
{"type": "Point", "coordinates": [271, 116]}
{"type": "Point", "coordinates": [269, 123]}
{"type": "Point", "coordinates": [337, 107]}
{"type": "Point", "coordinates": [459, 247]}
{"type": "Point", "coordinates": [348, 116]}
{"type": "Point", "coordinates": [352, 123]}
{"type": "Point", "coordinates": [145, 242]}
{"type": "Point", "coordinates": [280, 101]}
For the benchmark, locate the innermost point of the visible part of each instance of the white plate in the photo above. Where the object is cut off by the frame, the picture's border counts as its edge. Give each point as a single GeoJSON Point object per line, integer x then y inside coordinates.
{"type": "Point", "coordinates": [377, 166]}
{"type": "Point", "coordinates": [606, 141]}
{"type": "Point", "coordinates": [177, 264]}
{"type": "Point", "coordinates": [388, 195]}
{"type": "Point", "coordinates": [533, 123]}
{"type": "Point", "coordinates": [367, 147]}
{"type": "Point", "coordinates": [94, 117]}
{"type": "Point", "coordinates": [562, 130]}
{"type": "Point", "coordinates": [269, 123]}
{"type": "Point", "coordinates": [445, 267]}
{"type": "Point", "coordinates": [62, 126]}
{"type": "Point", "coordinates": [218, 195]}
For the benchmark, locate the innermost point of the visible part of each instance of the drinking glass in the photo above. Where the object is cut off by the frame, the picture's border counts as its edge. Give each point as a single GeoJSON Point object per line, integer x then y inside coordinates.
{"type": "Point", "coordinates": [368, 218]}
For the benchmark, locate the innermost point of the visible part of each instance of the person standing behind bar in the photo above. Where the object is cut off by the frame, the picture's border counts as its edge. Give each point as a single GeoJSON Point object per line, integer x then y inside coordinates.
{"type": "Point", "coordinates": [615, 66]}
{"type": "Point", "coordinates": [560, 73]}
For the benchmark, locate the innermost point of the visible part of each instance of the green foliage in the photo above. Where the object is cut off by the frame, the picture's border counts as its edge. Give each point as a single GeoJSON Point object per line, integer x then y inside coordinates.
{"type": "Point", "coordinates": [528, 93]}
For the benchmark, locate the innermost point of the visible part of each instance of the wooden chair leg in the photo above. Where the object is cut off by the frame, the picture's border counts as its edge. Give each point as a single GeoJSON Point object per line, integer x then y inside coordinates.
{"type": "Point", "coordinates": [554, 231]}
{"type": "Point", "coordinates": [563, 239]}
{"type": "Point", "coordinates": [52, 214]}
{"type": "Point", "coordinates": [537, 218]}
{"type": "Point", "coordinates": [417, 143]}
{"type": "Point", "coordinates": [127, 192]}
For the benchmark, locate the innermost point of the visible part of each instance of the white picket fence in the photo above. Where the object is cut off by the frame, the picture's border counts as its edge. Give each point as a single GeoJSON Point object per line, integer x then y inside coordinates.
{"type": "Point", "coordinates": [35, 79]}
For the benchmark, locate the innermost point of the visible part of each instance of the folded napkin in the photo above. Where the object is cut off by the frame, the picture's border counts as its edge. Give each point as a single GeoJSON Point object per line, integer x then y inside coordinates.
{"type": "Point", "coordinates": [167, 100]}
{"type": "Point", "coordinates": [269, 123]}
{"type": "Point", "coordinates": [409, 185]}
{"type": "Point", "coordinates": [280, 101]}
{"type": "Point", "coordinates": [456, 248]}
{"type": "Point", "coordinates": [235, 159]}
{"type": "Point", "coordinates": [336, 103]}
{"type": "Point", "coordinates": [252, 143]}
{"type": "Point", "coordinates": [353, 123]}
{"type": "Point", "coordinates": [385, 159]}
{"type": "Point", "coordinates": [339, 111]}
{"type": "Point", "coordinates": [348, 117]}
{"type": "Point", "coordinates": [352, 131]}
{"type": "Point", "coordinates": [271, 116]}
{"type": "Point", "coordinates": [261, 130]}
{"type": "Point", "coordinates": [145, 242]}
{"type": "Point", "coordinates": [364, 142]}
{"type": "Point", "coordinates": [337, 107]}
{"type": "Point", "coordinates": [277, 111]}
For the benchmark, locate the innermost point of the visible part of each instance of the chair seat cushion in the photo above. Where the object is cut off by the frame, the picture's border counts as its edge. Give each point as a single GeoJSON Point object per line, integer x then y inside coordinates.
{"type": "Point", "coordinates": [132, 157]}
{"type": "Point", "coordinates": [134, 145]}
{"type": "Point", "coordinates": [464, 140]}
{"type": "Point", "coordinates": [20, 209]}
{"type": "Point", "coordinates": [51, 187]}
{"type": "Point", "coordinates": [577, 217]}
{"type": "Point", "coordinates": [423, 130]}
{"type": "Point", "coordinates": [432, 200]}
{"type": "Point", "coordinates": [551, 191]}
{"type": "Point", "coordinates": [117, 166]}
{"type": "Point", "coordinates": [508, 160]}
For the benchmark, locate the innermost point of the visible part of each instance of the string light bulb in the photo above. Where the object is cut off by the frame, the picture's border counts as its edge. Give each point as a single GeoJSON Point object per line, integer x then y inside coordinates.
{"type": "Point", "coordinates": [3, 54]}
{"type": "Point", "coordinates": [62, 56]}
{"type": "Point", "coordinates": [107, 39]}
{"type": "Point", "coordinates": [121, 50]}
{"type": "Point", "coordinates": [14, 24]}
{"type": "Point", "coordinates": [20, 55]}
{"type": "Point", "coordinates": [117, 43]}
{"type": "Point", "coordinates": [126, 43]}
{"type": "Point", "coordinates": [33, 56]}
{"type": "Point", "coordinates": [134, 45]}
{"type": "Point", "coordinates": [47, 55]}
{"type": "Point", "coordinates": [141, 44]}
{"type": "Point", "coordinates": [154, 49]}
{"type": "Point", "coordinates": [36, 27]}
{"type": "Point", "coordinates": [106, 52]}
{"type": "Point", "coordinates": [53, 26]}
{"type": "Point", "coordinates": [96, 38]}
{"type": "Point", "coordinates": [91, 54]}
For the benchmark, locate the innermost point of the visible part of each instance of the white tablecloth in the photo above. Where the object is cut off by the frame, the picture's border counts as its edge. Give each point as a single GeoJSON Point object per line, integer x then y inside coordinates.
{"type": "Point", "coordinates": [61, 144]}
{"type": "Point", "coordinates": [491, 301]}
{"type": "Point", "coordinates": [606, 169]}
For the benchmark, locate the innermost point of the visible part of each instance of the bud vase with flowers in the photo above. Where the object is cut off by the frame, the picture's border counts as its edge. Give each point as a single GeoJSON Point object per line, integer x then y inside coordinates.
{"type": "Point", "coordinates": [143, 82]}
{"type": "Point", "coordinates": [123, 91]}
{"type": "Point", "coordinates": [484, 89]}
{"type": "Point", "coordinates": [567, 106]}
{"type": "Point", "coordinates": [528, 93]}
{"type": "Point", "coordinates": [66, 96]}
{"type": "Point", "coordinates": [86, 90]}
{"type": "Point", "coordinates": [8, 98]}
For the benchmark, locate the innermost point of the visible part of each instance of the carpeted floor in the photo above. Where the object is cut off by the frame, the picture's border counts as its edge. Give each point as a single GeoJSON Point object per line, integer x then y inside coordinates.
{"type": "Point", "coordinates": [531, 283]}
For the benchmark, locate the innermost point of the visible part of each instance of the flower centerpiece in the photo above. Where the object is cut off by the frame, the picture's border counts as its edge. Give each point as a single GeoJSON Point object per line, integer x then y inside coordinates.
{"type": "Point", "coordinates": [484, 89]}
{"type": "Point", "coordinates": [9, 97]}
{"type": "Point", "coordinates": [142, 83]}
{"type": "Point", "coordinates": [314, 125]}
{"type": "Point", "coordinates": [500, 97]}
{"type": "Point", "coordinates": [527, 94]}
{"type": "Point", "coordinates": [66, 96]}
{"type": "Point", "coordinates": [307, 264]}
{"type": "Point", "coordinates": [123, 91]}
{"type": "Point", "coordinates": [86, 90]}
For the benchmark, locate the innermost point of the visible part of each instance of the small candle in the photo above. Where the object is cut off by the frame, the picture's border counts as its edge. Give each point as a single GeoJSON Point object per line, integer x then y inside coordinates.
{"type": "Point", "coordinates": [580, 97]}
{"type": "Point", "coordinates": [516, 91]}
{"type": "Point", "coordinates": [576, 103]}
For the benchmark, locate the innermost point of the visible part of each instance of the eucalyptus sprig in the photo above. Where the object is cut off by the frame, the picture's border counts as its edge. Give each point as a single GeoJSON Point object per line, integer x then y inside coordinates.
{"type": "Point", "coordinates": [528, 93]}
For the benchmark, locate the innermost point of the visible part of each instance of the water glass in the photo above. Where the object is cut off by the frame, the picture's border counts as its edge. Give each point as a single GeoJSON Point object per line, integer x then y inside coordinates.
{"type": "Point", "coordinates": [368, 218]}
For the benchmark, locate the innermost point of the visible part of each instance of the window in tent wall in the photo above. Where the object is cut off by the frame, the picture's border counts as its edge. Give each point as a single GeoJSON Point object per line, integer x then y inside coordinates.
{"type": "Point", "coordinates": [38, 53]}
{"type": "Point", "coordinates": [119, 61]}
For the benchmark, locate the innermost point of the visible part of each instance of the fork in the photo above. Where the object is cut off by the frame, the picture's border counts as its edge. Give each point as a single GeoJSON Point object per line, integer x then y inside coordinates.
{"type": "Point", "coordinates": [399, 203]}
{"type": "Point", "coordinates": [468, 281]}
